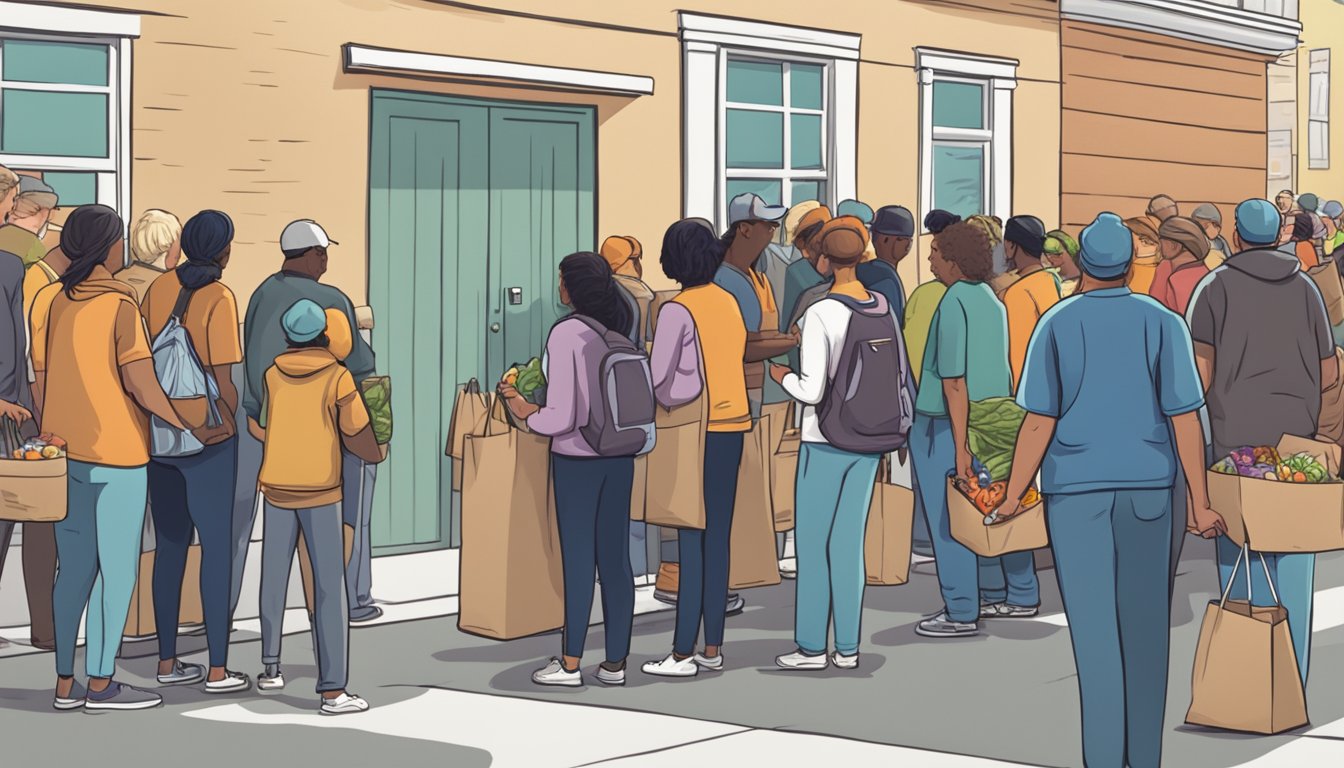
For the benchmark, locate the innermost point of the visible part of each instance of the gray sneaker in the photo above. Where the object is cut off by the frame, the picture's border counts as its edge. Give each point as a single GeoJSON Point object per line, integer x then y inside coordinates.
{"type": "Point", "coordinates": [183, 674]}
{"type": "Point", "coordinates": [1006, 611]}
{"type": "Point", "coordinates": [941, 626]}
{"type": "Point", "coordinates": [117, 696]}
{"type": "Point", "coordinates": [365, 615]}
{"type": "Point", "coordinates": [74, 701]}
{"type": "Point", "coordinates": [735, 604]}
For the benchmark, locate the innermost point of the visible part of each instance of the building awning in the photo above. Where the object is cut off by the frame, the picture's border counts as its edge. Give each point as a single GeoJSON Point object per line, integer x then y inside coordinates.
{"type": "Point", "coordinates": [1195, 20]}
{"type": "Point", "coordinates": [370, 59]}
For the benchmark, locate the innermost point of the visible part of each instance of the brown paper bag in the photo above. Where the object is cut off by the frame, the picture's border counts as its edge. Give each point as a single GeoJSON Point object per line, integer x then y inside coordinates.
{"type": "Point", "coordinates": [639, 490]}
{"type": "Point", "coordinates": [674, 486]}
{"type": "Point", "coordinates": [887, 539]}
{"type": "Point", "coordinates": [785, 442]}
{"type": "Point", "coordinates": [471, 412]}
{"type": "Point", "coordinates": [754, 560]}
{"type": "Point", "coordinates": [1245, 676]}
{"type": "Point", "coordinates": [1327, 279]}
{"type": "Point", "coordinates": [1331, 422]}
{"type": "Point", "coordinates": [1020, 533]}
{"type": "Point", "coordinates": [1284, 517]}
{"type": "Point", "coordinates": [140, 616]}
{"type": "Point", "coordinates": [33, 491]}
{"type": "Point", "coordinates": [511, 581]}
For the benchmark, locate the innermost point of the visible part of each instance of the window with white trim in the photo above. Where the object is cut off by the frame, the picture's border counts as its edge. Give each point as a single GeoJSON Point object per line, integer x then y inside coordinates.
{"type": "Point", "coordinates": [774, 129]}
{"type": "Point", "coordinates": [966, 136]}
{"type": "Point", "coordinates": [1318, 110]}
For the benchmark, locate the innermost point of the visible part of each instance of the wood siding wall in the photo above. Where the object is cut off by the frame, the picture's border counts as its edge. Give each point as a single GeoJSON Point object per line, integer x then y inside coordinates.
{"type": "Point", "coordinates": [1145, 115]}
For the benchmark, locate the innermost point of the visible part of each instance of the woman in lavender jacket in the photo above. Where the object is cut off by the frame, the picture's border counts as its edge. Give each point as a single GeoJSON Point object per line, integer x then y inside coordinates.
{"type": "Point", "coordinates": [592, 492]}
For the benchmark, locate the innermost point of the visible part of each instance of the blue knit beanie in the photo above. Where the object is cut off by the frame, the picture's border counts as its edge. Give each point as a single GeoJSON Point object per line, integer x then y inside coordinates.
{"type": "Point", "coordinates": [1107, 247]}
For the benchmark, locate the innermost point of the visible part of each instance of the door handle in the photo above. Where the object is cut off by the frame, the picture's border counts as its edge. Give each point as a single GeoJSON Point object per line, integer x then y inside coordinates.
{"type": "Point", "coordinates": [494, 327]}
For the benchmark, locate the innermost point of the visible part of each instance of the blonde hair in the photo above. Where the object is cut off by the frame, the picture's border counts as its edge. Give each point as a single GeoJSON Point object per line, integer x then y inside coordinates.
{"type": "Point", "coordinates": [32, 204]}
{"type": "Point", "coordinates": [990, 226]}
{"type": "Point", "coordinates": [8, 180]}
{"type": "Point", "coordinates": [153, 234]}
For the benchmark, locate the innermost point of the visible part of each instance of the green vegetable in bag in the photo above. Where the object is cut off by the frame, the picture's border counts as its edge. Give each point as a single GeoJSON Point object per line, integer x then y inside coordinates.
{"type": "Point", "coordinates": [991, 433]}
{"type": "Point", "coordinates": [377, 391]}
{"type": "Point", "coordinates": [530, 379]}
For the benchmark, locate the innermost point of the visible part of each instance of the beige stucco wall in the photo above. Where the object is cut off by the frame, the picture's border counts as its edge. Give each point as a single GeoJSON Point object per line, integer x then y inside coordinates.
{"type": "Point", "coordinates": [244, 105]}
{"type": "Point", "coordinates": [1322, 23]}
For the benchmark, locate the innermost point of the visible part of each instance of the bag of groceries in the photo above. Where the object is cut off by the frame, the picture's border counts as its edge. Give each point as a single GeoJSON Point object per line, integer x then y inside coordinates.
{"type": "Point", "coordinates": [786, 439]}
{"type": "Point", "coordinates": [32, 476]}
{"type": "Point", "coordinates": [511, 582]}
{"type": "Point", "coordinates": [674, 484]}
{"type": "Point", "coordinates": [1283, 498]}
{"type": "Point", "coordinates": [887, 537]}
{"type": "Point", "coordinates": [754, 559]}
{"type": "Point", "coordinates": [1245, 676]}
{"type": "Point", "coordinates": [972, 503]}
{"type": "Point", "coordinates": [470, 412]}
{"type": "Point", "coordinates": [377, 392]}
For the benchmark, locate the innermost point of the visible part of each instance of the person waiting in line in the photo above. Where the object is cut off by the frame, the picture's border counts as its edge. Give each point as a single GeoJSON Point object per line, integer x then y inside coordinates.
{"type": "Point", "coordinates": [1061, 259]}
{"type": "Point", "coordinates": [592, 490]}
{"type": "Point", "coordinates": [835, 484]}
{"type": "Point", "coordinates": [1286, 202]}
{"type": "Point", "coordinates": [194, 494]}
{"type": "Point", "coordinates": [28, 221]}
{"type": "Point", "coordinates": [892, 233]}
{"type": "Point", "coordinates": [705, 313]}
{"type": "Point", "coordinates": [802, 274]}
{"type": "Point", "coordinates": [1210, 220]}
{"type": "Point", "coordinates": [1143, 232]}
{"type": "Point", "coordinates": [1260, 306]}
{"type": "Point", "coordinates": [156, 248]}
{"type": "Point", "coordinates": [1303, 248]}
{"type": "Point", "coordinates": [1332, 213]}
{"type": "Point", "coordinates": [1162, 207]}
{"type": "Point", "coordinates": [625, 257]}
{"type": "Point", "coordinates": [313, 414]}
{"type": "Point", "coordinates": [1106, 432]}
{"type": "Point", "coordinates": [966, 360]}
{"type": "Point", "coordinates": [95, 373]}
{"type": "Point", "coordinates": [1185, 249]}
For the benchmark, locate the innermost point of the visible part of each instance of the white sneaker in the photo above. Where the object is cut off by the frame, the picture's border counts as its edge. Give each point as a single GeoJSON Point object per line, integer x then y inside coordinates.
{"type": "Point", "coordinates": [842, 661]}
{"type": "Point", "coordinates": [274, 682]}
{"type": "Point", "coordinates": [799, 661]}
{"type": "Point", "coordinates": [345, 704]}
{"type": "Point", "coordinates": [233, 682]}
{"type": "Point", "coordinates": [673, 667]}
{"type": "Point", "coordinates": [709, 665]}
{"type": "Point", "coordinates": [788, 570]}
{"type": "Point", "coordinates": [554, 673]}
{"type": "Point", "coordinates": [610, 677]}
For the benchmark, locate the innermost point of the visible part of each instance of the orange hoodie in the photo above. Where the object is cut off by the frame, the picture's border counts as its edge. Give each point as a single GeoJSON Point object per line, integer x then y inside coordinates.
{"type": "Point", "coordinates": [311, 401]}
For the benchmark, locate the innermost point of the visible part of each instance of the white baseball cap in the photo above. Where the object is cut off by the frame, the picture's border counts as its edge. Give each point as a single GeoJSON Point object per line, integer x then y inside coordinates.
{"type": "Point", "coordinates": [750, 207]}
{"type": "Point", "coordinates": [304, 234]}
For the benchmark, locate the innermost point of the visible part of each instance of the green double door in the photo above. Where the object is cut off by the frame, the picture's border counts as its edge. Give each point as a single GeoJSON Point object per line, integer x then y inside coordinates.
{"type": "Point", "coordinates": [472, 204]}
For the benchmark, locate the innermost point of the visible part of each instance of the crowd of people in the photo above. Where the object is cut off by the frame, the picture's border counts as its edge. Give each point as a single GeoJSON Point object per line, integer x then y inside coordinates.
{"type": "Point", "coordinates": [787, 305]}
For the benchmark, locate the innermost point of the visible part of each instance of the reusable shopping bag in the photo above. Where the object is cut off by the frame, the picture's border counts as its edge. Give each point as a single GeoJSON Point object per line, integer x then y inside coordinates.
{"type": "Point", "coordinates": [754, 560]}
{"type": "Point", "coordinates": [886, 540]}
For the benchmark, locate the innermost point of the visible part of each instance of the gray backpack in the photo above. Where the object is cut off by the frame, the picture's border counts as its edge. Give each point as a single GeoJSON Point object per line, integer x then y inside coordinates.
{"type": "Point", "coordinates": [621, 408]}
{"type": "Point", "coordinates": [868, 407]}
{"type": "Point", "coordinates": [182, 377]}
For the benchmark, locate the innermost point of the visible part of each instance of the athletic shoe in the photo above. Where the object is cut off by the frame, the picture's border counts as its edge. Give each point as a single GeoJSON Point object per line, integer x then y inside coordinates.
{"type": "Point", "coordinates": [364, 616]}
{"type": "Point", "coordinates": [709, 665]}
{"type": "Point", "coordinates": [661, 596]}
{"type": "Point", "coordinates": [345, 704]}
{"type": "Point", "coordinates": [117, 696]}
{"type": "Point", "coordinates": [74, 701]}
{"type": "Point", "coordinates": [842, 661]}
{"type": "Point", "coordinates": [610, 676]}
{"type": "Point", "coordinates": [735, 604]}
{"type": "Point", "coordinates": [233, 682]}
{"type": "Point", "coordinates": [789, 570]}
{"type": "Point", "coordinates": [674, 667]}
{"type": "Point", "coordinates": [799, 661]}
{"type": "Point", "coordinates": [941, 626]}
{"type": "Point", "coordinates": [554, 673]}
{"type": "Point", "coordinates": [1006, 611]}
{"type": "Point", "coordinates": [183, 674]}
{"type": "Point", "coordinates": [272, 679]}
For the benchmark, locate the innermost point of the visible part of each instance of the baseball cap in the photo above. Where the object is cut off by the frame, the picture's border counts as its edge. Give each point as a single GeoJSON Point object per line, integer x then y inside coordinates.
{"type": "Point", "coordinates": [1107, 247]}
{"type": "Point", "coordinates": [304, 321]}
{"type": "Point", "coordinates": [749, 206]}
{"type": "Point", "coordinates": [304, 234]}
{"type": "Point", "coordinates": [856, 208]}
{"type": "Point", "coordinates": [38, 191]}
{"type": "Point", "coordinates": [843, 238]}
{"type": "Point", "coordinates": [1208, 212]}
{"type": "Point", "coordinates": [1258, 222]}
{"type": "Point", "coordinates": [1309, 202]}
{"type": "Point", "coordinates": [618, 249]}
{"type": "Point", "coordinates": [893, 220]}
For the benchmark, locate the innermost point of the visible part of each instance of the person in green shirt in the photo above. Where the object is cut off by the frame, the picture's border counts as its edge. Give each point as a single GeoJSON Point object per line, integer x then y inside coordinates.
{"type": "Point", "coordinates": [965, 360]}
{"type": "Point", "coordinates": [919, 318]}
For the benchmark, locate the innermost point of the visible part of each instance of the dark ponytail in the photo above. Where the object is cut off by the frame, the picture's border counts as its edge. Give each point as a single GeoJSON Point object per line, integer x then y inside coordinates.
{"type": "Point", "coordinates": [593, 291]}
{"type": "Point", "coordinates": [204, 238]}
{"type": "Point", "coordinates": [88, 236]}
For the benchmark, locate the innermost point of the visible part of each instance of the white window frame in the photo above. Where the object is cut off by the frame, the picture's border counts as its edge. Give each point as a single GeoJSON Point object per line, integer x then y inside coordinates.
{"type": "Point", "coordinates": [27, 21]}
{"type": "Point", "coordinates": [1318, 112]}
{"type": "Point", "coordinates": [707, 44]}
{"type": "Point", "coordinates": [998, 78]}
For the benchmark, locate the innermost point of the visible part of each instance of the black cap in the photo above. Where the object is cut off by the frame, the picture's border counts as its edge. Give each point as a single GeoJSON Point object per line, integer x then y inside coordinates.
{"type": "Point", "coordinates": [937, 220]}
{"type": "Point", "coordinates": [1027, 232]}
{"type": "Point", "coordinates": [893, 220]}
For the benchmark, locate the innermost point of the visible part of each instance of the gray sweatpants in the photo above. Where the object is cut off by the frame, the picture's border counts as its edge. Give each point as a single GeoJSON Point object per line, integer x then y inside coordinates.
{"type": "Point", "coordinates": [322, 531]}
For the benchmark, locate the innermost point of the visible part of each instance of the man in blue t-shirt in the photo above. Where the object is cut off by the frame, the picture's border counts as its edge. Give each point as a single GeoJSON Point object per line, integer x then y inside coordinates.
{"type": "Point", "coordinates": [1101, 429]}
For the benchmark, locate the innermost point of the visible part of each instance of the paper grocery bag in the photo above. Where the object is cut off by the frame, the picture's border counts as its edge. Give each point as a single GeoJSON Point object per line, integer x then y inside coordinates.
{"type": "Point", "coordinates": [1327, 279]}
{"type": "Point", "coordinates": [140, 615]}
{"type": "Point", "coordinates": [471, 413]}
{"type": "Point", "coordinates": [639, 489]}
{"type": "Point", "coordinates": [1330, 425]}
{"type": "Point", "coordinates": [1020, 533]}
{"type": "Point", "coordinates": [1284, 517]}
{"type": "Point", "coordinates": [786, 441]}
{"type": "Point", "coordinates": [754, 560]}
{"type": "Point", "coordinates": [511, 580]}
{"type": "Point", "coordinates": [886, 540]}
{"type": "Point", "coordinates": [674, 485]}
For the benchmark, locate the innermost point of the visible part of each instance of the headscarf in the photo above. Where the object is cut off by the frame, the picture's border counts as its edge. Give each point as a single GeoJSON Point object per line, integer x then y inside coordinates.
{"type": "Point", "coordinates": [1188, 233]}
{"type": "Point", "coordinates": [89, 233]}
{"type": "Point", "coordinates": [937, 220]}
{"type": "Point", "coordinates": [204, 238]}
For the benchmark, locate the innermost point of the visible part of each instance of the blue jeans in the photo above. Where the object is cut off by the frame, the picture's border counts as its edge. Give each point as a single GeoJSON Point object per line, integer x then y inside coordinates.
{"type": "Point", "coordinates": [1010, 579]}
{"type": "Point", "coordinates": [834, 489]}
{"type": "Point", "coordinates": [194, 492]}
{"type": "Point", "coordinates": [357, 478]}
{"type": "Point", "coordinates": [98, 546]}
{"type": "Point", "coordinates": [921, 543]}
{"type": "Point", "coordinates": [704, 554]}
{"type": "Point", "coordinates": [1111, 557]}
{"type": "Point", "coordinates": [1294, 578]}
{"type": "Point", "coordinates": [592, 508]}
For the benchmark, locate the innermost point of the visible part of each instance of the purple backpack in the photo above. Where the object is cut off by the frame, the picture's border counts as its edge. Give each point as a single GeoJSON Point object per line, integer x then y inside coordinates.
{"type": "Point", "coordinates": [868, 407]}
{"type": "Point", "coordinates": [621, 407]}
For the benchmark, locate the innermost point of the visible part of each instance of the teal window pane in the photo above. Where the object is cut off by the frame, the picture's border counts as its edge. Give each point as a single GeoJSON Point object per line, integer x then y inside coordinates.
{"type": "Point", "coordinates": [805, 86]}
{"type": "Point", "coordinates": [46, 123]}
{"type": "Point", "coordinates": [958, 105]}
{"type": "Point", "coordinates": [959, 179]}
{"type": "Point", "coordinates": [755, 139]}
{"type": "Point", "coordinates": [73, 188]}
{"type": "Point", "coordinates": [770, 190]}
{"type": "Point", "coordinates": [805, 154]}
{"type": "Point", "coordinates": [28, 61]}
{"type": "Point", "coordinates": [808, 190]}
{"type": "Point", "coordinates": [756, 82]}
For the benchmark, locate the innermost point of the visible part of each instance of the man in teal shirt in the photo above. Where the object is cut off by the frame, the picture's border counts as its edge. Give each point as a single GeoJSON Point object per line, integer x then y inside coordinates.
{"type": "Point", "coordinates": [966, 359]}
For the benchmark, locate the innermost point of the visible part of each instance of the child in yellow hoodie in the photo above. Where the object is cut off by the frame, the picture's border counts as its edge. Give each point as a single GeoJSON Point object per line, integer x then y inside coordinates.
{"type": "Point", "coordinates": [312, 409]}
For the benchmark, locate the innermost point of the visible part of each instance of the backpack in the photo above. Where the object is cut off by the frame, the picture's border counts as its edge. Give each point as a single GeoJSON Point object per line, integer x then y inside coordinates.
{"type": "Point", "coordinates": [621, 408]}
{"type": "Point", "coordinates": [868, 407]}
{"type": "Point", "coordinates": [183, 377]}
